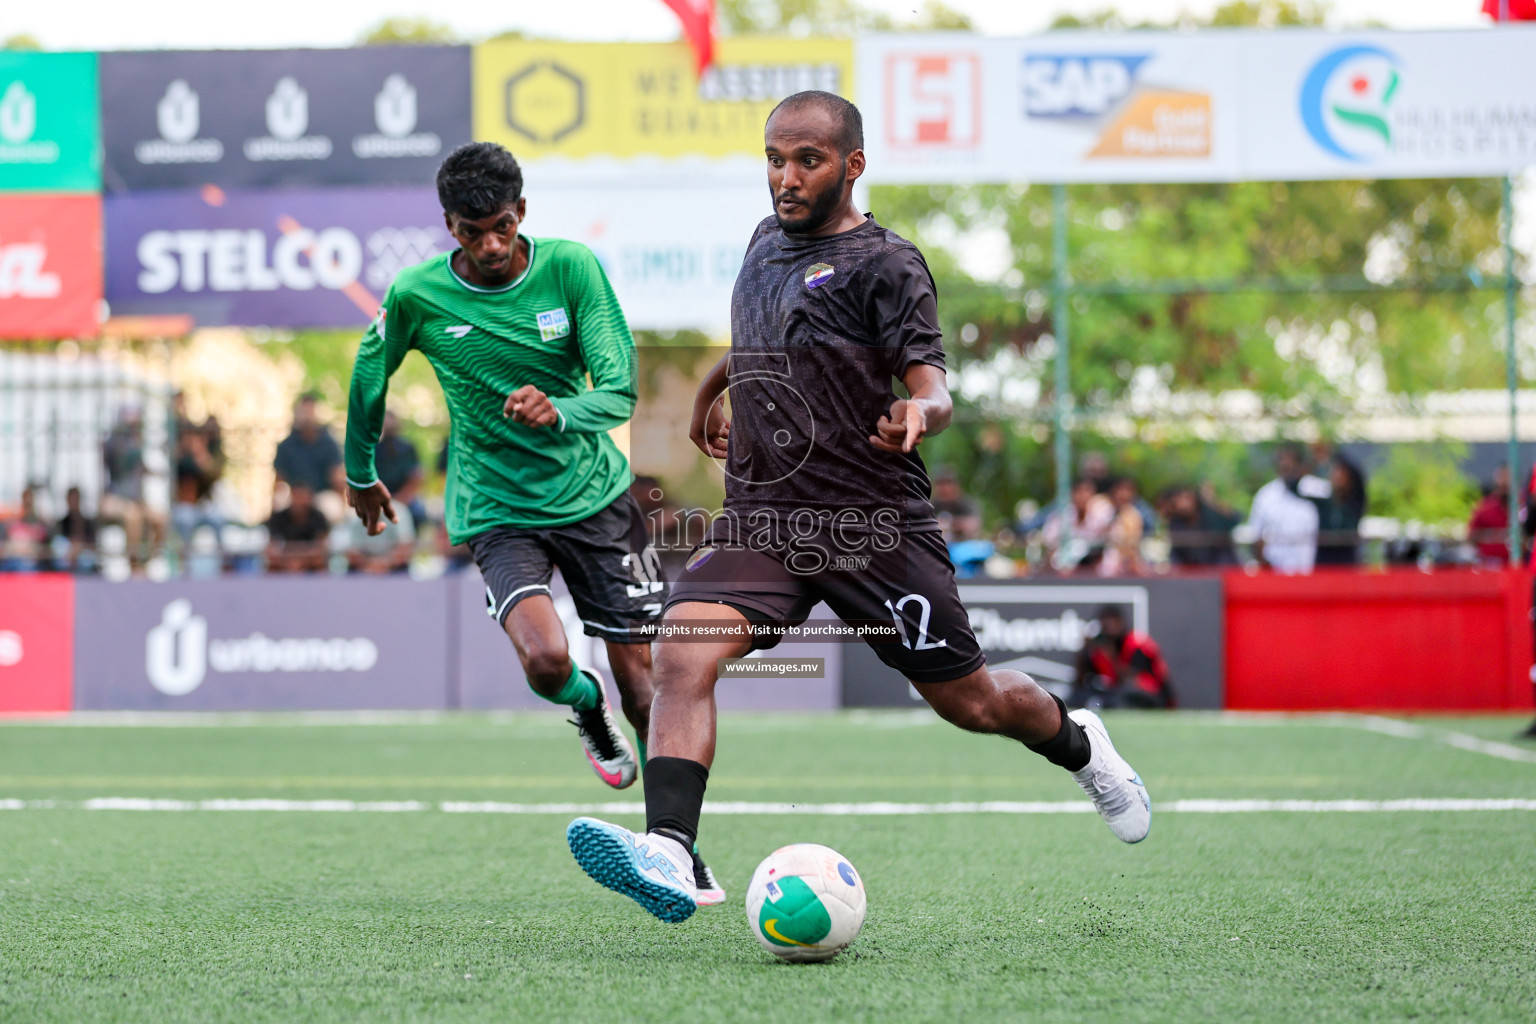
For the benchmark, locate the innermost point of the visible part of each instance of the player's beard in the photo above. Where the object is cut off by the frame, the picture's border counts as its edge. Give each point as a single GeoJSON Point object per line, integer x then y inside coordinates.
{"type": "Point", "coordinates": [819, 210]}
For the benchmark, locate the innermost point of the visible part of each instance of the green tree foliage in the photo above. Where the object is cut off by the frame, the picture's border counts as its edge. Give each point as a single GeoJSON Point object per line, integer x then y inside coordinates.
{"type": "Point", "coordinates": [830, 18]}
{"type": "Point", "coordinates": [1423, 483]}
{"type": "Point", "coordinates": [402, 31]}
{"type": "Point", "coordinates": [21, 41]}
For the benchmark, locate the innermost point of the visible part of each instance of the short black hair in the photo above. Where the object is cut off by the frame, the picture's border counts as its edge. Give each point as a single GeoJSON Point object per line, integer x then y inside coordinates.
{"type": "Point", "coordinates": [850, 123]}
{"type": "Point", "coordinates": [477, 179]}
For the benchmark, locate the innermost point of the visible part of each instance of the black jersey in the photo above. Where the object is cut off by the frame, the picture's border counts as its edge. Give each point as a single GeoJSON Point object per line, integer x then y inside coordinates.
{"type": "Point", "coordinates": [820, 327]}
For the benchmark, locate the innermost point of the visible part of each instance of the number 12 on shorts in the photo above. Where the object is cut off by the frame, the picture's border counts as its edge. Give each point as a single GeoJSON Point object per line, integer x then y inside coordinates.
{"type": "Point", "coordinates": [923, 642]}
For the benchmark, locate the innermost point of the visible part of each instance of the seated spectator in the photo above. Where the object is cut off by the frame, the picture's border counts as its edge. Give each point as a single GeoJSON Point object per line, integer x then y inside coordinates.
{"type": "Point", "coordinates": [310, 457]}
{"type": "Point", "coordinates": [1284, 517]}
{"type": "Point", "coordinates": [399, 467]}
{"type": "Point", "coordinates": [1094, 467]}
{"type": "Point", "coordinates": [123, 499]}
{"type": "Point", "coordinates": [959, 517]}
{"type": "Point", "coordinates": [389, 551]}
{"type": "Point", "coordinates": [78, 531]}
{"type": "Point", "coordinates": [1074, 535]}
{"type": "Point", "coordinates": [296, 536]}
{"type": "Point", "coordinates": [1122, 547]}
{"type": "Point", "coordinates": [1488, 529]}
{"type": "Point", "coordinates": [1340, 513]}
{"type": "Point", "coordinates": [199, 465]}
{"type": "Point", "coordinates": [1198, 535]}
{"type": "Point", "coordinates": [1120, 668]}
{"type": "Point", "coordinates": [26, 537]}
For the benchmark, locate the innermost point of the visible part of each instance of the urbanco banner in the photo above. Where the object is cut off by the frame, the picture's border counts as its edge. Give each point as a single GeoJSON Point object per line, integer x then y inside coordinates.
{"type": "Point", "coordinates": [260, 644]}
{"type": "Point", "coordinates": [50, 265]}
{"type": "Point", "coordinates": [1219, 105]}
{"type": "Point", "coordinates": [383, 115]}
{"type": "Point", "coordinates": [278, 257]}
{"type": "Point", "coordinates": [626, 100]}
{"type": "Point", "coordinates": [48, 122]}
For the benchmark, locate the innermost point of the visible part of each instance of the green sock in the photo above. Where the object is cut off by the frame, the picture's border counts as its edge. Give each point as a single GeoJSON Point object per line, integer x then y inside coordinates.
{"type": "Point", "coordinates": [640, 748]}
{"type": "Point", "coordinates": [579, 691]}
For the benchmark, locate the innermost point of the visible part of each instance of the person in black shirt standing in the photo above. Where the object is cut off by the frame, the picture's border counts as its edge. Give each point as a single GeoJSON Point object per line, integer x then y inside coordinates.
{"type": "Point", "coordinates": [827, 500]}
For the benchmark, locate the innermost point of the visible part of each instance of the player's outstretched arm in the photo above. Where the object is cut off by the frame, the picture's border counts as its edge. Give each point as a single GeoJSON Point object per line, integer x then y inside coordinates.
{"type": "Point", "coordinates": [928, 411]}
{"type": "Point", "coordinates": [372, 504]}
{"type": "Point", "coordinates": [710, 428]}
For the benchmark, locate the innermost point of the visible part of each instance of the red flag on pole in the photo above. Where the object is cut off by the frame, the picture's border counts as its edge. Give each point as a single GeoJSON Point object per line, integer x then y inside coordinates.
{"type": "Point", "coordinates": [1513, 10]}
{"type": "Point", "coordinates": [698, 18]}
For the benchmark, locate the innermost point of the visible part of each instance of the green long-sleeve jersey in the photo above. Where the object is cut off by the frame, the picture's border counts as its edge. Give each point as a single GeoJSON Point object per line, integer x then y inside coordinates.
{"type": "Point", "coordinates": [552, 327]}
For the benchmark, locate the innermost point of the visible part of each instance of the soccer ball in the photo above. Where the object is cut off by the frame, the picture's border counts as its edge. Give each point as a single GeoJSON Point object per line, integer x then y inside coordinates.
{"type": "Point", "coordinates": [805, 903]}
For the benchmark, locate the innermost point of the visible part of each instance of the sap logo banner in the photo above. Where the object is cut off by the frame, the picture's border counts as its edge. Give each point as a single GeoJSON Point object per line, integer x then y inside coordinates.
{"type": "Point", "coordinates": [373, 115]}
{"type": "Point", "coordinates": [278, 258]}
{"type": "Point", "coordinates": [262, 643]}
{"type": "Point", "coordinates": [50, 266]}
{"type": "Point", "coordinates": [1101, 94]}
{"type": "Point", "coordinates": [178, 653]}
{"type": "Point", "coordinates": [48, 114]}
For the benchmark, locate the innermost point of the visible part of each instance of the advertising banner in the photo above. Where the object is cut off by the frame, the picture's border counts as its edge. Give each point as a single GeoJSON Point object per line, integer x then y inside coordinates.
{"type": "Point", "coordinates": [489, 676]}
{"type": "Point", "coordinates": [281, 258]}
{"type": "Point", "coordinates": [48, 119]}
{"type": "Point", "coordinates": [37, 618]}
{"type": "Point", "coordinates": [1221, 105]}
{"type": "Point", "coordinates": [383, 115]}
{"type": "Point", "coordinates": [623, 100]}
{"type": "Point", "coordinates": [1038, 627]}
{"type": "Point", "coordinates": [260, 644]}
{"type": "Point", "coordinates": [50, 265]}
{"type": "Point", "coordinates": [670, 271]}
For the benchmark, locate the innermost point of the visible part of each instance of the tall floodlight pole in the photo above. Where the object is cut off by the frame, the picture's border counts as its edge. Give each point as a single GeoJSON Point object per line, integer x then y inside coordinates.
{"type": "Point", "coordinates": [1511, 370]}
{"type": "Point", "coordinates": [1061, 283]}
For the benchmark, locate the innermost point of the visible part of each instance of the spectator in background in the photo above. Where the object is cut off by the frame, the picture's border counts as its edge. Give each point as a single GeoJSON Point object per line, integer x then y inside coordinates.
{"type": "Point", "coordinates": [959, 516]}
{"type": "Point", "coordinates": [1198, 535]}
{"type": "Point", "coordinates": [1488, 528]}
{"type": "Point", "coordinates": [309, 456]}
{"type": "Point", "coordinates": [1094, 467]}
{"type": "Point", "coordinates": [1284, 517]}
{"type": "Point", "coordinates": [1122, 547]}
{"type": "Point", "coordinates": [78, 531]}
{"type": "Point", "coordinates": [26, 537]}
{"type": "Point", "coordinates": [386, 552]}
{"type": "Point", "coordinates": [296, 535]}
{"type": "Point", "coordinates": [1340, 513]}
{"type": "Point", "coordinates": [123, 499]}
{"type": "Point", "coordinates": [1074, 535]}
{"type": "Point", "coordinates": [399, 467]}
{"type": "Point", "coordinates": [1120, 668]}
{"type": "Point", "coordinates": [199, 465]}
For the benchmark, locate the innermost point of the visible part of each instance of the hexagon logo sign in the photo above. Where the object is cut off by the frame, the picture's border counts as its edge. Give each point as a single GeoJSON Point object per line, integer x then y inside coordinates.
{"type": "Point", "coordinates": [545, 102]}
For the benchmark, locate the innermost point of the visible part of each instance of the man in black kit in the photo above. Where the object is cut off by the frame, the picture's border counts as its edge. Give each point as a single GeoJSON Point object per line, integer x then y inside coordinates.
{"type": "Point", "coordinates": [826, 500]}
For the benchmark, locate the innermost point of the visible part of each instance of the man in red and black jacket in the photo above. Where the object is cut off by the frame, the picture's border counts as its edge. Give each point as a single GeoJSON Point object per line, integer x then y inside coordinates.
{"type": "Point", "coordinates": [1121, 668]}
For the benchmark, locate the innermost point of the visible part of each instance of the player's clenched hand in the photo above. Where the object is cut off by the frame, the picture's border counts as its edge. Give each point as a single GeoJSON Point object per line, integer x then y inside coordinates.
{"type": "Point", "coordinates": [900, 429]}
{"type": "Point", "coordinates": [710, 430]}
{"type": "Point", "coordinates": [372, 504]}
{"type": "Point", "coordinates": [530, 407]}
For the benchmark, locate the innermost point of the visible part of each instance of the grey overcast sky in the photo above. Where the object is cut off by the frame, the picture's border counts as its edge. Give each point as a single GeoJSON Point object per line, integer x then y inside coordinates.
{"type": "Point", "coordinates": [154, 24]}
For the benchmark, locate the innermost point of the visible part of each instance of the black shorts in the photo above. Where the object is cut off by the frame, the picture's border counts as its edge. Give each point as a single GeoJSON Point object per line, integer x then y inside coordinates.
{"type": "Point", "coordinates": [606, 559]}
{"type": "Point", "coordinates": [912, 583]}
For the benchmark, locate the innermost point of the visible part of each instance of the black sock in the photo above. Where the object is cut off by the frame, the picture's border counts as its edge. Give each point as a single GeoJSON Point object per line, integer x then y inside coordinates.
{"type": "Point", "coordinates": [1069, 747]}
{"type": "Point", "coordinates": [674, 795]}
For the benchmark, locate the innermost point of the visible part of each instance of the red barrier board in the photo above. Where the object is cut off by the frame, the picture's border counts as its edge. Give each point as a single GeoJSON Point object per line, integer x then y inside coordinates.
{"type": "Point", "coordinates": [1393, 641]}
{"type": "Point", "coordinates": [37, 626]}
{"type": "Point", "coordinates": [50, 265]}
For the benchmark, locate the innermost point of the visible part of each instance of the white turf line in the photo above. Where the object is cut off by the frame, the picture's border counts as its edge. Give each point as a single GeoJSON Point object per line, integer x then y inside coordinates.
{"type": "Point", "coordinates": [745, 808]}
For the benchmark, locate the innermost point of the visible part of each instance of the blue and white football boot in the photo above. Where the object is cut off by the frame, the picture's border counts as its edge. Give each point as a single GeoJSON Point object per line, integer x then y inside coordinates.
{"type": "Point", "coordinates": [655, 871]}
{"type": "Point", "coordinates": [1116, 790]}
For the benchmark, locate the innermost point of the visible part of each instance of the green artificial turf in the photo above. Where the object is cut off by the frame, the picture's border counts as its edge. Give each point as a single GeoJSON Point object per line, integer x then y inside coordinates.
{"type": "Point", "coordinates": [432, 916]}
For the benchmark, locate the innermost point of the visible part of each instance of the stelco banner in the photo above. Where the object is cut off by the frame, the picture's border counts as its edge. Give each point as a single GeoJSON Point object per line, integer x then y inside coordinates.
{"type": "Point", "coordinates": [1213, 106]}
{"type": "Point", "coordinates": [281, 258]}
{"type": "Point", "coordinates": [50, 265]}
{"type": "Point", "coordinates": [48, 118]}
{"type": "Point", "coordinates": [366, 116]}
{"type": "Point", "coordinates": [643, 100]}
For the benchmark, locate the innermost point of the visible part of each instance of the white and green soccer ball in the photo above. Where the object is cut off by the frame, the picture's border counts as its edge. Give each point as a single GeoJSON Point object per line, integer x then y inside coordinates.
{"type": "Point", "coordinates": [805, 903]}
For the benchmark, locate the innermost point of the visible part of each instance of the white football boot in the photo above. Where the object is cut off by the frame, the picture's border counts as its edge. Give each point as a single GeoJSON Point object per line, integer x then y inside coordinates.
{"type": "Point", "coordinates": [653, 870]}
{"type": "Point", "coordinates": [707, 890]}
{"type": "Point", "coordinates": [1116, 790]}
{"type": "Point", "coordinates": [607, 748]}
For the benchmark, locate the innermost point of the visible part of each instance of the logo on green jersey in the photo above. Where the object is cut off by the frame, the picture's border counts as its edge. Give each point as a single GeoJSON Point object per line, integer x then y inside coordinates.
{"type": "Point", "coordinates": [554, 324]}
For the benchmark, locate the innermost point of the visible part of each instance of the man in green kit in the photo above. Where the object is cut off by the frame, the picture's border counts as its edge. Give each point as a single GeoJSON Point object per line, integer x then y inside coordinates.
{"type": "Point", "coordinates": [514, 326]}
